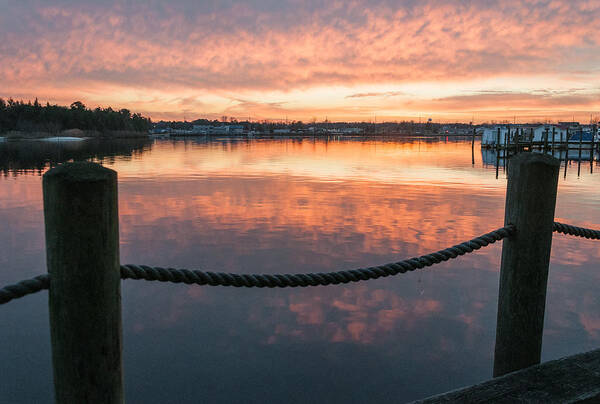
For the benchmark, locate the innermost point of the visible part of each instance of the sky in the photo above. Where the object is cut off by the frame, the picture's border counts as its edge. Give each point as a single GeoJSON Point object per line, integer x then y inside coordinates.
{"type": "Point", "coordinates": [356, 60]}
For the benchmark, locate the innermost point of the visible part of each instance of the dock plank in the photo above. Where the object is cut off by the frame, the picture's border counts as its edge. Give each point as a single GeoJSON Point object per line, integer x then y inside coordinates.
{"type": "Point", "coordinates": [574, 379]}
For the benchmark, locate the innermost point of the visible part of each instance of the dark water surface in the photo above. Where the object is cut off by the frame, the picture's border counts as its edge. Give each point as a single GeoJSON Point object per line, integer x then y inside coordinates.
{"type": "Point", "coordinates": [288, 206]}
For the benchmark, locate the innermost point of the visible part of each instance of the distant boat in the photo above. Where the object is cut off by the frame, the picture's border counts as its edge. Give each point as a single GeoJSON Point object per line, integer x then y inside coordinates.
{"type": "Point", "coordinates": [63, 139]}
{"type": "Point", "coordinates": [580, 135]}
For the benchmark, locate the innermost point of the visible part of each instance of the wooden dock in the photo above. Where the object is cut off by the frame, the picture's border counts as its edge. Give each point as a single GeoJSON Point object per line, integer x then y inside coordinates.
{"type": "Point", "coordinates": [519, 140]}
{"type": "Point", "coordinates": [574, 379]}
{"type": "Point", "coordinates": [541, 145]}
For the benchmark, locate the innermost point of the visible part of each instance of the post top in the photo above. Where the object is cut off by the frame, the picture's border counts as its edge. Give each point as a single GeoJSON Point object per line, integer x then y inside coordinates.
{"type": "Point", "coordinates": [534, 158]}
{"type": "Point", "coordinates": [80, 171]}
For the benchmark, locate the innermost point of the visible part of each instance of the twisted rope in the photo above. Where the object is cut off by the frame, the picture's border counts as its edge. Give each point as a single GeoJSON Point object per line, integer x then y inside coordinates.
{"type": "Point", "coordinates": [24, 288]}
{"type": "Point", "coordinates": [189, 277]}
{"type": "Point", "coordinates": [576, 231]}
{"type": "Point", "coordinates": [311, 279]}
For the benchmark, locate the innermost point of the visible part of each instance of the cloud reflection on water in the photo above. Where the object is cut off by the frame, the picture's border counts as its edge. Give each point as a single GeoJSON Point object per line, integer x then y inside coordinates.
{"type": "Point", "coordinates": [289, 206]}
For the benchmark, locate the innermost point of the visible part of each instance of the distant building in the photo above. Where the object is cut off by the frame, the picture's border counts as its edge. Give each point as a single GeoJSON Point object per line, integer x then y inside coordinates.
{"type": "Point", "coordinates": [201, 129]}
{"type": "Point", "coordinates": [496, 135]}
{"type": "Point", "coordinates": [236, 129]}
{"type": "Point", "coordinates": [555, 133]}
{"type": "Point", "coordinates": [352, 130]}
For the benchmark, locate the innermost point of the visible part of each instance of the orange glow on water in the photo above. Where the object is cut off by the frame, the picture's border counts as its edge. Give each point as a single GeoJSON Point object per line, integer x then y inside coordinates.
{"type": "Point", "coordinates": [290, 206]}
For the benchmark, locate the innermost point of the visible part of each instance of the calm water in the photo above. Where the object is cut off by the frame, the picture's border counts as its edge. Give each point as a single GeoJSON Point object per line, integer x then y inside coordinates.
{"type": "Point", "coordinates": [278, 206]}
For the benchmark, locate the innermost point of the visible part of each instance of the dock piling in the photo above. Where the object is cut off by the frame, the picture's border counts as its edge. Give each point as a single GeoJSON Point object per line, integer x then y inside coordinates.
{"type": "Point", "coordinates": [82, 248]}
{"type": "Point", "coordinates": [473, 147]}
{"type": "Point", "coordinates": [530, 139]}
{"type": "Point", "coordinates": [498, 140]}
{"type": "Point", "coordinates": [593, 148]}
{"type": "Point", "coordinates": [530, 204]}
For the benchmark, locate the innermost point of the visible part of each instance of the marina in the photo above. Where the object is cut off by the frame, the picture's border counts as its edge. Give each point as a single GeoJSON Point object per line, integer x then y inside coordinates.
{"type": "Point", "coordinates": [567, 137]}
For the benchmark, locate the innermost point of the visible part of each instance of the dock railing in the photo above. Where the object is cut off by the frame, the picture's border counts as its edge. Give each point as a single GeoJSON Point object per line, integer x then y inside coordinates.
{"type": "Point", "coordinates": [84, 273]}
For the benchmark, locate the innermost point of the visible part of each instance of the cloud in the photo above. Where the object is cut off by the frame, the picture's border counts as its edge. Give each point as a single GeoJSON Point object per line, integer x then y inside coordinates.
{"type": "Point", "coordinates": [230, 48]}
{"type": "Point", "coordinates": [384, 94]}
{"type": "Point", "coordinates": [535, 99]}
{"type": "Point", "coordinates": [248, 107]}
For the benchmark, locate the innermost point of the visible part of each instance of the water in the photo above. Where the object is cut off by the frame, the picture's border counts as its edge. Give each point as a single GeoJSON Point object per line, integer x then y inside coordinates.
{"type": "Point", "coordinates": [288, 206]}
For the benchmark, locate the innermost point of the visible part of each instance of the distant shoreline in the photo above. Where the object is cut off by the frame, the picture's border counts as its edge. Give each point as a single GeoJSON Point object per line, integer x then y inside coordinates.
{"type": "Point", "coordinates": [113, 135]}
{"type": "Point", "coordinates": [318, 135]}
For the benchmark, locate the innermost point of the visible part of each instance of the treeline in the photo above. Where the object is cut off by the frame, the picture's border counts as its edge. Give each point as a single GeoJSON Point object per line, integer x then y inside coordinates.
{"type": "Point", "coordinates": [269, 126]}
{"type": "Point", "coordinates": [247, 125]}
{"type": "Point", "coordinates": [34, 117]}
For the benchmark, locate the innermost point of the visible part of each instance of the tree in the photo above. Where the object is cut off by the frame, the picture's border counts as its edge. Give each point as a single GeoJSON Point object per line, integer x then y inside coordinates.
{"type": "Point", "coordinates": [78, 105]}
{"type": "Point", "coordinates": [18, 115]}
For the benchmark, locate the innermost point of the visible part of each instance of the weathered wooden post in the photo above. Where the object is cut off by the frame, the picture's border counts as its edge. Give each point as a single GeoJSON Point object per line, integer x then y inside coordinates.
{"type": "Point", "coordinates": [546, 141]}
{"type": "Point", "coordinates": [560, 146]}
{"type": "Point", "coordinates": [530, 139]}
{"type": "Point", "coordinates": [497, 162]}
{"type": "Point", "coordinates": [567, 152]}
{"type": "Point", "coordinates": [473, 147]}
{"type": "Point", "coordinates": [498, 139]}
{"type": "Point", "coordinates": [592, 145]}
{"type": "Point", "coordinates": [82, 249]}
{"type": "Point", "coordinates": [530, 202]}
{"type": "Point", "coordinates": [579, 157]}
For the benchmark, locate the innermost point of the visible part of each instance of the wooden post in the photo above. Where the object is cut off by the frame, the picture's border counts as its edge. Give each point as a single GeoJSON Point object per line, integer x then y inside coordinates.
{"type": "Point", "coordinates": [567, 152]}
{"type": "Point", "coordinates": [498, 139]}
{"type": "Point", "coordinates": [552, 144]}
{"type": "Point", "coordinates": [473, 147]}
{"type": "Point", "coordinates": [546, 141]}
{"type": "Point", "coordinates": [579, 157]}
{"type": "Point", "coordinates": [82, 249]}
{"type": "Point", "coordinates": [530, 139]}
{"type": "Point", "coordinates": [530, 203]}
{"type": "Point", "coordinates": [497, 162]}
{"type": "Point", "coordinates": [560, 156]}
{"type": "Point", "coordinates": [592, 145]}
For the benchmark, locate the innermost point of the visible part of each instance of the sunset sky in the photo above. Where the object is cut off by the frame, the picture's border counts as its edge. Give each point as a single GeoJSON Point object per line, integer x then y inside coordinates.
{"type": "Point", "coordinates": [365, 60]}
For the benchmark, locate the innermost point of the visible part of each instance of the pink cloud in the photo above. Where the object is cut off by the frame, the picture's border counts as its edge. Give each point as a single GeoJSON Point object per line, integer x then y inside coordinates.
{"type": "Point", "coordinates": [63, 51]}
